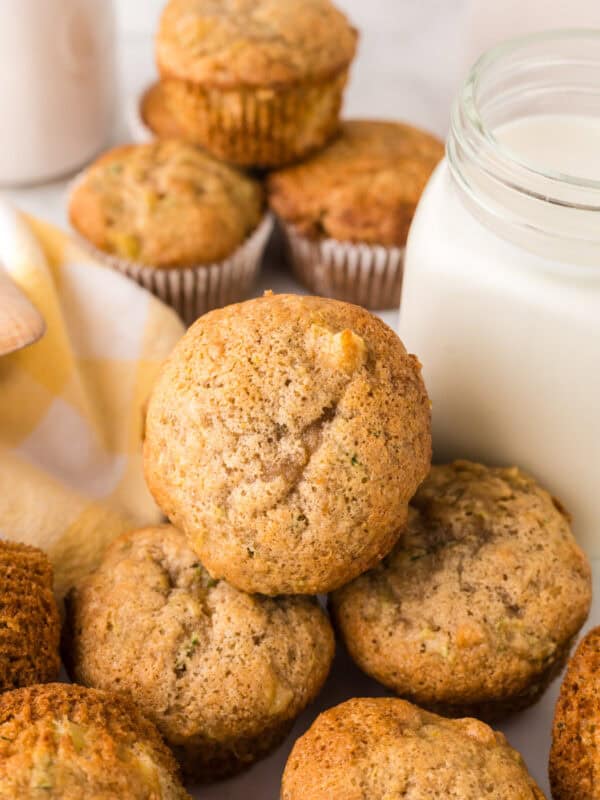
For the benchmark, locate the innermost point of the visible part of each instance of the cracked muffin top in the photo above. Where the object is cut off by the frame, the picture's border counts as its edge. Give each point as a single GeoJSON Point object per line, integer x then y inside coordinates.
{"type": "Point", "coordinates": [219, 671]}
{"type": "Point", "coordinates": [29, 618]}
{"type": "Point", "coordinates": [165, 204]}
{"type": "Point", "coordinates": [285, 436]}
{"type": "Point", "coordinates": [65, 742]}
{"type": "Point", "coordinates": [255, 43]}
{"type": "Point", "coordinates": [481, 598]}
{"type": "Point", "coordinates": [364, 187]}
{"type": "Point", "coordinates": [575, 753]}
{"type": "Point", "coordinates": [386, 748]}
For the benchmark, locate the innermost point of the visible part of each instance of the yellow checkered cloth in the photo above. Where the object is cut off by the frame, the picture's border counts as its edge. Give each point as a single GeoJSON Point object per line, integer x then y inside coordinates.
{"type": "Point", "coordinates": [71, 406]}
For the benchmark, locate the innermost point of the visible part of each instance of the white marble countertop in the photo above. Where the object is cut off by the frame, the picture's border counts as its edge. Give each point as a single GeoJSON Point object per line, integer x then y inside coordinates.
{"type": "Point", "coordinates": [406, 89]}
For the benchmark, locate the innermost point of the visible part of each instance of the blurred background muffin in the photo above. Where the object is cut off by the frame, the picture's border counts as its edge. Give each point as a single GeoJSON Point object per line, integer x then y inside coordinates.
{"type": "Point", "coordinates": [575, 752]}
{"type": "Point", "coordinates": [346, 211]}
{"type": "Point", "coordinates": [386, 748]}
{"type": "Point", "coordinates": [153, 118]}
{"type": "Point", "coordinates": [476, 608]}
{"type": "Point", "coordinates": [189, 228]}
{"type": "Point", "coordinates": [256, 82]}
{"type": "Point", "coordinates": [29, 619]}
{"type": "Point", "coordinates": [223, 674]}
{"type": "Point", "coordinates": [65, 742]}
{"type": "Point", "coordinates": [285, 436]}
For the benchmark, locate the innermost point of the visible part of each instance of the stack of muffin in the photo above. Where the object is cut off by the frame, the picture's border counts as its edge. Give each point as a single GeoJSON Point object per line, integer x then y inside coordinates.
{"type": "Point", "coordinates": [255, 86]}
{"type": "Point", "coordinates": [288, 441]}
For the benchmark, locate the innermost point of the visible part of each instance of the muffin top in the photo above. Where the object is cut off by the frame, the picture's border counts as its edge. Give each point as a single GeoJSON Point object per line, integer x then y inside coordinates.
{"type": "Point", "coordinates": [575, 753]}
{"type": "Point", "coordinates": [155, 112]}
{"type": "Point", "coordinates": [165, 204]}
{"type": "Point", "coordinates": [202, 659]}
{"type": "Point", "coordinates": [362, 188]}
{"type": "Point", "coordinates": [285, 435]}
{"type": "Point", "coordinates": [386, 748]}
{"type": "Point", "coordinates": [482, 594]}
{"type": "Point", "coordinates": [29, 617]}
{"type": "Point", "coordinates": [65, 742]}
{"type": "Point", "coordinates": [254, 43]}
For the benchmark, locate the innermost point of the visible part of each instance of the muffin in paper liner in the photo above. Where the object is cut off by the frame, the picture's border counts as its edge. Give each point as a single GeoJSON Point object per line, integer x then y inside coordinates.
{"type": "Point", "coordinates": [365, 274]}
{"type": "Point", "coordinates": [250, 127]}
{"type": "Point", "coordinates": [192, 291]}
{"type": "Point", "coordinates": [257, 83]}
{"type": "Point", "coordinates": [347, 210]}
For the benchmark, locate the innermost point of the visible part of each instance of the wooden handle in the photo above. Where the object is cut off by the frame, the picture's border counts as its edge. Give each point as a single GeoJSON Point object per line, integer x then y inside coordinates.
{"type": "Point", "coordinates": [21, 324]}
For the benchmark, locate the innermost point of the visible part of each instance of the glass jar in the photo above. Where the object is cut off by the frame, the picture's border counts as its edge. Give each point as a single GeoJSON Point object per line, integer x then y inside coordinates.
{"type": "Point", "coordinates": [501, 296]}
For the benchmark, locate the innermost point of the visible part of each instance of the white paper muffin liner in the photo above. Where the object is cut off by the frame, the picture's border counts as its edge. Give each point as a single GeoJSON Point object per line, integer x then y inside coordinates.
{"type": "Point", "coordinates": [192, 291]}
{"type": "Point", "coordinates": [368, 275]}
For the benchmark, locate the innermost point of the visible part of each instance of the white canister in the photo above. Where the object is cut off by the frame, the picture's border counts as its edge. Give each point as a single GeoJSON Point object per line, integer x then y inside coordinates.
{"type": "Point", "coordinates": [501, 295]}
{"type": "Point", "coordinates": [57, 84]}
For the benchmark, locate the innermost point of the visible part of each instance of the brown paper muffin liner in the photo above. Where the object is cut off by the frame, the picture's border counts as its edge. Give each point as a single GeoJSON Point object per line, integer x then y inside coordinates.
{"type": "Point", "coordinates": [365, 274]}
{"type": "Point", "coordinates": [258, 127]}
{"type": "Point", "coordinates": [192, 291]}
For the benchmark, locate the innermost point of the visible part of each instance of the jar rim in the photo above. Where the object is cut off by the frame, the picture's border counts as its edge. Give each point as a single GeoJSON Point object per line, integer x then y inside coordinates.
{"type": "Point", "coordinates": [469, 94]}
{"type": "Point", "coordinates": [552, 73]}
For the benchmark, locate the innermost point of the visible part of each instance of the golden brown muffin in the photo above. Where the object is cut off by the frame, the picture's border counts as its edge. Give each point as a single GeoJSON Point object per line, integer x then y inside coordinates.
{"type": "Point", "coordinates": [476, 608]}
{"type": "Point", "coordinates": [165, 204]}
{"type": "Point", "coordinates": [256, 82]}
{"type": "Point", "coordinates": [363, 188]}
{"type": "Point", "coordinates": [285, 436]}
{"type": "Point", "coordinates": [65, 742]}
{"type": "Point", "coordinates": [223, 674]}
{"type": "Point", "coordinates": [157, 115]}
{"type": "Point", "coordinates": [347, 210]}
{"type": "Point", "coordinates": [575, 753]}
{"type": "Point", "coordinates": [387, 749]}
{"type": "Point", "coordinates": [29, 619]}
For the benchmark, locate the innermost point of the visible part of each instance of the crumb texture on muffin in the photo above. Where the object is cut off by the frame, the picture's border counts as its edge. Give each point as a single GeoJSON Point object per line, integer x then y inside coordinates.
{"type": "Point", "coordinates": [364, 187]}
{"type": "Point", "coordinates": [575, 753]}
{"type": "Point", "coordinates": [165, 204]}
{"type": "Point", "coordinates": [223, 674]}
{"type": "Point", "coordinates": [477, 606]}
{"type": "Point", "coordinates": [29, 619]}
{"type": "Point", "coordinates": [286, 436]}
{"type": "Point", "coordinates": [385, 748]}
{"type": "Point", "coordinates": [259, 43]}
{"type": "Point", "coordinates": [65, 742]}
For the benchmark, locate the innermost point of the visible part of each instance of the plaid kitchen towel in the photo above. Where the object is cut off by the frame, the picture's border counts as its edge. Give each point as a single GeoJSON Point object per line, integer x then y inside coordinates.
{"type": "Point", "coordinates": [71, 405]}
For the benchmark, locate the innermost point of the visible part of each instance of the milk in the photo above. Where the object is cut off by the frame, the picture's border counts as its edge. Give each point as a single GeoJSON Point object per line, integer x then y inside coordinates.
{"type": "Point", "coordinates": [566, 144]}
{"type": "Point", "coordinates": [510, 339]}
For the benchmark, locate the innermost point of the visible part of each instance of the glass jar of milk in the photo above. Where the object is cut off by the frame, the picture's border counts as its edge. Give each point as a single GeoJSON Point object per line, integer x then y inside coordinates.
{"type": "Point", "coordinates": [501, 297]}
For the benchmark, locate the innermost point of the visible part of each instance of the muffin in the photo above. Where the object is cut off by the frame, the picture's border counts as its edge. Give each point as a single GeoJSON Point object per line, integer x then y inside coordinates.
{"type": "Point", "coordinates": [476, 608]}
{"type": "Point", "coordinates": [154, 118]}
{"type": "Point", "coordinates": [223, 674]}
{"type": "Point", "coordinates": [347, 210]}
{"type": "Point", "coordinates": [65, 742]}
{"type": "Point", "coordinates": [29, 619]}
{"type": "Point", "coordinates": [575, 752]}
{"type": "Point", "coordinates": [386, 748]}
{"type": "Point", "coordinates": [285, 436]}
{"type": "Point", "coordinates": [256, 82]}
{"type": "Point", "coordinates": [184, 226]}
